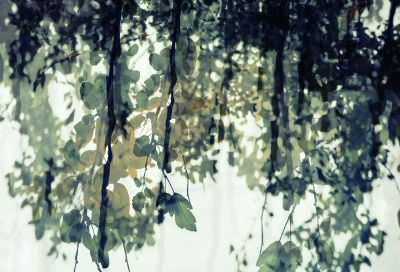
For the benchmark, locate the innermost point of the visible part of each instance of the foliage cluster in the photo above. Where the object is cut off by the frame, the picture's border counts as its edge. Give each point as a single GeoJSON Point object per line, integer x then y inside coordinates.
{"type": "Point", "coordinates": [319, 84]}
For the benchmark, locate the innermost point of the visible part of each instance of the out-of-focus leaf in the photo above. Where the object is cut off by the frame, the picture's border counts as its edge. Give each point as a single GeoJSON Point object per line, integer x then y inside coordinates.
{"type": "Point", "coordinates": [138, 201]}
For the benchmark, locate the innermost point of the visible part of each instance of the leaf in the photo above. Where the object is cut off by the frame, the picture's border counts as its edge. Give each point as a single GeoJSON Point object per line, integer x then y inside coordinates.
{"type": "Point", "coordinates": [134, 76]}
{"type": "Point", "coordinates": [293, 257]}
{"type": "Point", "coordinates": [71, 227]}
{"type": "Point", "coordinates": [287, 200]}
{"type": "Point", "coordinates": [269, 257]}
{"type": "Point", "coordinates": [87, 240]}
{"type": "Point", "coordinates": [148, 193]}
{"type": "Point", "coordinates": [158, 62]}
{"type": "Point", "coordinates": [133, 50]}
{"type": "Point", "coordinates": [142, 146]}
{"type": "Point", "coordinates": [75, 233]}
{"type": "Point", "coordinates": [119, 199]}
{"type": "Point", "coordinates": [39, 230]}
{"type": "Point", "coordinates": [71, 153]}
{"type": "Point", "coordinates": [138, 182]}
{"type": "Point", "coordinates": [180, 207]}
{"type": "Point", "coordinates": [70, 118]}
{"type": "Point", "coordinates": [84, 129]}
{"type": "Point", "coordinates": [138, 201]}
{"type": "Point", "coordinates": [278, 257]}
{"type": "Point", "coordinates": [94, 58]}
{"type": "Point", "coordinates": [150, 240]}
{"type": "Point", "coordinates": [93, 94]}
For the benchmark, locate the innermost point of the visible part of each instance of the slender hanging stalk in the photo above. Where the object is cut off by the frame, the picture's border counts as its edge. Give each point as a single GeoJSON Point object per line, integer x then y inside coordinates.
{"type": "Point", "coordinates": [262, 223]}
{"type": "Point", "coordinates": [187, 177]}
{"type": "Point", "coordinates": [76, 255]}
{"type": "Point", "coordinates": [115, 53]}
{"type": "Point", "coordinates": [126, 255]}
{"type": "Point", "coordinates": [176, 21]}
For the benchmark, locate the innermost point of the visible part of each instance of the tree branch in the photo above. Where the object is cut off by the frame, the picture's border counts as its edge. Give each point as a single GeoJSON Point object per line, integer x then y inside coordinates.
{"type": "Point", "coordinates": [173, 78]}
{"type": "Point", "coordinates": [115, 52]}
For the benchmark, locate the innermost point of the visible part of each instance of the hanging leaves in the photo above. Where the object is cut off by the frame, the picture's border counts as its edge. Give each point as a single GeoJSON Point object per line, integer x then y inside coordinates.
{"type": "Point", "coordinates": [299, 94]}
{"type": "Point", "coordinates": [138, 201]}
{"type": "Point", "coordinates": [180, 208]}
{"type": "Point", "coordinates": [278, 257]}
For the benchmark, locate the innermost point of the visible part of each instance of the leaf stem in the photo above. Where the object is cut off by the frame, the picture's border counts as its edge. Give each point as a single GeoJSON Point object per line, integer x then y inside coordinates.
{"type": "Point", "coordinates": [76, 255]}
{"type": "Point", "coordinates": [287, 221]}
{"type": "Point", "coordinates": [262, 223]}
{"type": "Point", "coordinates": [126, 255]}
{"type": "Point", "coordinates": [187, 176]}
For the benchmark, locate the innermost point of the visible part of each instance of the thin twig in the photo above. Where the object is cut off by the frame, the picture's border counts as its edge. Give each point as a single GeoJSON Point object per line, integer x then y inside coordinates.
{"type": "Point", "coordinates": [290, 227]}
{"type": "Point", "coordinates": [188, 177]}
{"type": "Point", "coordinates": [76, 255]}
{"type": "Point", "coordinates": [144, 174]}
{"type": "Point", "coordinates": [287, 221]}
{"type": "Point", "coordinates": [315, 205]}
{"type": "Point", "coordinates": [317, 215]}
{"type": "Point", "coordinates": [98, 266]}
{"type": "Point", "coordinates": [169, 182]}
{"type": "Point", "coordinates": [126, 255]}
{"type": "Point", "coordinates": [262, 223]}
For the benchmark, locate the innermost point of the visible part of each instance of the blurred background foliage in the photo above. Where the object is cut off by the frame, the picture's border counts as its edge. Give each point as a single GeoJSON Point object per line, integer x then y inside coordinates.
{"type": "Point", "coordinates": [317, 82]}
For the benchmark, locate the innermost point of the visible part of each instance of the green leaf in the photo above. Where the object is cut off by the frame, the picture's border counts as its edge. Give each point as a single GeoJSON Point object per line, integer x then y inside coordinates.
{"type": "Point", "coordinates": [138, 201]}
{"type": "Point", "coordinates": [71, 153]}
{"type": "Point", "coordinates": [94, 58]}
{"type": "Point", "coordinates": [134, 76]}
{"type": "Point", "coordinates": [75, 233]}
{"type": "Point", "coordinates": [133, 50]}
{"type": "Point", "coordinates": [142, 146]}
{"type": "Point", "coordinates": [71, 229]}
{"type": "Point", "coordinates": [269, 257]}
{"type": "Point", "coordinates": [93, 94]}
{"type": "Point", "coordinates": [158, 62]}
{"type": "Point", "coordinates": [40, 227]}
{"type": "Point", "coordinates": [84, 129]}
{"type": "Point", "coordinates": [119, 200]}
{"type": "Point", "coordinates": [148, 193]}
{"type": "Point", "coordinates": [287, 201]}
{"type": "Point", "coordinates": [180, 207]}
{"type": "Point", "coordinates": [278, 257]}
{"type": "Point", "coordinates": [292, 258]}
{"type": "Point", "coordinates": [87, 240]}
{"type": "Point", "coordinates": [150, 239]}
{"type": "Point", "coordinates": [138, 182]}
{"type": "Point", "coordinates": [141, 99]}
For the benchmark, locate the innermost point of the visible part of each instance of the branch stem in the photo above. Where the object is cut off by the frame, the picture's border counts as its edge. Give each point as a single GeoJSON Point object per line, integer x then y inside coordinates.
{"type": "Point", "coordinates": [115, 53]}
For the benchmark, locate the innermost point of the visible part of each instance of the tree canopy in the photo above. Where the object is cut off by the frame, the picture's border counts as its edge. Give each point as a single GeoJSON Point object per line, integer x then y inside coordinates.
{"type": "Point", "coordinates": [318, 81]}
